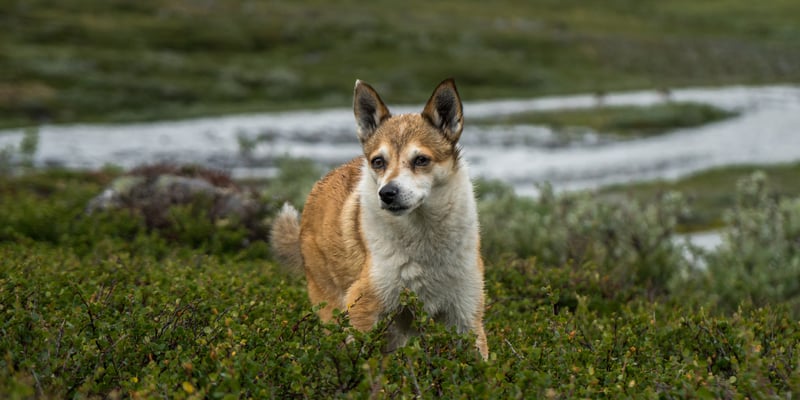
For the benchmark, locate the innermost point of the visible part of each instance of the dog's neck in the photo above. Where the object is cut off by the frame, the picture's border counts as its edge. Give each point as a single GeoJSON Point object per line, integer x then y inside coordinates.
{"type": "Point", "coordinates": [451, 203]}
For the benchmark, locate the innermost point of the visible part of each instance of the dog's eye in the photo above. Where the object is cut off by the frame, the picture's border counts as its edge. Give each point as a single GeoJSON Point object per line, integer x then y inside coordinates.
{"type": "Point", "coordinates": [378, 163]}
{"type": "Point", "coordinates": [421, 161]}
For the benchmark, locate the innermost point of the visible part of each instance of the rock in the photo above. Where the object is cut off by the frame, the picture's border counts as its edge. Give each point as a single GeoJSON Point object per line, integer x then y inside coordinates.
{"type": "Point", "coordinates": [152, 190]}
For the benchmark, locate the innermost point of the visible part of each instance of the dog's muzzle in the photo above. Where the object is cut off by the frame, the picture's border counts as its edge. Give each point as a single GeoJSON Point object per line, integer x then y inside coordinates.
{"type": "Point", "coordinates": [390, 199]}
{"type": "Point", "coordinates": [388, 193]}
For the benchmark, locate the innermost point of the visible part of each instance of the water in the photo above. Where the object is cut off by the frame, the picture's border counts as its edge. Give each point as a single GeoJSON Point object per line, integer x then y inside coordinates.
{"type": "Point", "coordinates": [765, 132]}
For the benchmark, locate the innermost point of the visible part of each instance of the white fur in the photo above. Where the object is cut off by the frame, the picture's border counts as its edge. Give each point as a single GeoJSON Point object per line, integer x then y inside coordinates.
{"type": "Point", "coordinates": [432, 250]}
{"type": "Point", "coordinates": [413, 188]}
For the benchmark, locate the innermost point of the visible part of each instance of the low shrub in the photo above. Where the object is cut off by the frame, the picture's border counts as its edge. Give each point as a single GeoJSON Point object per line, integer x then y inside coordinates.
{"type": "Point", "coordinates": [584, 299]}
{"type": "Point", "coordinates": [630, 241]}
{"type": "Point", "coordinates": [759, 259]}
{"type": "Point", "coordinates": [51, 207]}
{"type": "Point", "coordinates": [114, 323]}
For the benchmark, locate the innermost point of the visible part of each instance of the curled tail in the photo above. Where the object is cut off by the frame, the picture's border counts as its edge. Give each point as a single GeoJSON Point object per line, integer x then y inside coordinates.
{"type": "Point", "coordinates": [285, 239]}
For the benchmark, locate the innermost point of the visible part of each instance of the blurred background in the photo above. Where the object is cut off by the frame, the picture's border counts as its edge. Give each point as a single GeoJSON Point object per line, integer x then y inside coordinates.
{"type": "Point", "coordinates": [580, 94]}
{"type": "Point", "coordinates": [119, 60]}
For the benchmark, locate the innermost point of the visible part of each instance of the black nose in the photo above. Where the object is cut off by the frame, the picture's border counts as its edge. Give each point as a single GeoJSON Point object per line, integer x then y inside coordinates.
{"type": "Point", "coordinates": [388, 193]}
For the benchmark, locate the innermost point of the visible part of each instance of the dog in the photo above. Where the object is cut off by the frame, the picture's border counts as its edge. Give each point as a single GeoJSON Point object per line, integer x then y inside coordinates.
{"type": "Point", "coordinates": [401, 217]}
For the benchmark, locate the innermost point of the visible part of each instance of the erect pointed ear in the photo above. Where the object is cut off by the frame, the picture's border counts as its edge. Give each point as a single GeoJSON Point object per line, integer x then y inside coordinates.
{"type": "Point", "coordinates": [444, 110]}
{"type": "Point", "coordinates": [369, 110]}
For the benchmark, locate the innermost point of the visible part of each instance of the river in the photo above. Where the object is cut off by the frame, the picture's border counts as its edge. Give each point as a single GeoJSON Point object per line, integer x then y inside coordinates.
{"type": "Point", "coordinates": [767, 130]}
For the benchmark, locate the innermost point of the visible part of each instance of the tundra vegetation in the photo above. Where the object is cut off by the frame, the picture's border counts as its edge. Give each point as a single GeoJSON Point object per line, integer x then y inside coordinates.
{"type": "Point", "coordinates": [587, 296]}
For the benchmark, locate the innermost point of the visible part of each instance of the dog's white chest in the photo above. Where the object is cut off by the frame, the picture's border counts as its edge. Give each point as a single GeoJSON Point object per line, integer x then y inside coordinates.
{"type": "Point", "coordinates": [411, 273]}
{"type": "Point", "coordinates": [433, 252]}
{"type": "Point", "coordinates": [437, 268]}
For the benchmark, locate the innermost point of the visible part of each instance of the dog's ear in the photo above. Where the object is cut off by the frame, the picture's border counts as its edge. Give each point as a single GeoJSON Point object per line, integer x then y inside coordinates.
{"type": "Point", "coordinates": [369, 110]}
{"type": "Point", "coordinates": [444, 110]}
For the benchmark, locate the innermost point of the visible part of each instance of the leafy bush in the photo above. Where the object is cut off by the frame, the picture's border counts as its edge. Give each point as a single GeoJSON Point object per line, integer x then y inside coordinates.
{"type": "Point", "coordinates": [759, 259]}
{"type": "Point", "coordinates": [629, 241]}
{"type": "Point", "coordinates": [51, 207]}
{"type": "Point", "coordinates": [114, 323]}
{"type": "Point", "coordinates": [583, 300]}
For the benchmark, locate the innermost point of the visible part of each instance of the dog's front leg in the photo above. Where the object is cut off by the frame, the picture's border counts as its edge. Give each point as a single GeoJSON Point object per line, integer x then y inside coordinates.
{"type": "Point", "coordinates": [480, 340]}
{"type": "Point", "coordinates": [400, 329]}
{"type": "Point", "coordinates": [363, 305]}
{"type": "Point", "coordinates": [472, 322]}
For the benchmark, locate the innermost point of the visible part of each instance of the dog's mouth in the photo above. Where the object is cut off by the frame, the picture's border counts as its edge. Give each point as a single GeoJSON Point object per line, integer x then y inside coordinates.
{"type": "Point", "coordinates": [395, 209]}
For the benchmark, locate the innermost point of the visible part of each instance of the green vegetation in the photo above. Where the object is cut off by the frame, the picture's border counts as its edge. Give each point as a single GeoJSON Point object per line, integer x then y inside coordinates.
{"type": "Point", "coordinates": [588, 294]}
{"type": "Point", "coordinates": [79, 60]}
{"type": "Point", "coordinates": [585, 299]}
{"type": "Point", "coordinates": [619, 121]}
{"type": "Point", "coordinates": [708, 193]}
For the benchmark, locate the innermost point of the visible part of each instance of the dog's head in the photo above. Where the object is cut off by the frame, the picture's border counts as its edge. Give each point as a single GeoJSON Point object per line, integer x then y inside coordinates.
{"type": "Point", "coordinates": [409, 155]}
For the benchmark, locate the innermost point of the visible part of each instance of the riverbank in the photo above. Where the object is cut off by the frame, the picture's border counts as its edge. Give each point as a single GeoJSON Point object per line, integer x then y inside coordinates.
{"type": "Point", "coordinates": [703, 162]}
{"type": "Point", "coordinates": [523, 155]}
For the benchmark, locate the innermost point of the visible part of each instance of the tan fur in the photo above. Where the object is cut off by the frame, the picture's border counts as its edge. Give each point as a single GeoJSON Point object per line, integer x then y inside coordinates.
{"type": "Point", "coordinates": [344, 224]}
{"type": "Point", "coordinates": [333, 249]}
{"type": "Point", "coordinates": [285, 239]}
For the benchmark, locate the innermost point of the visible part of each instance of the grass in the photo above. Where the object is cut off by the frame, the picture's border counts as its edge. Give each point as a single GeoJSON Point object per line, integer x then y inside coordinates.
{"type": "Point", "coordinates": [584, 300]}
{"type": "Point", "coordinates": [710, 192]}
{"type": "Point", "coordinates": [619, 121]}
{"type": "Point", "coordinates": [119, 61]}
